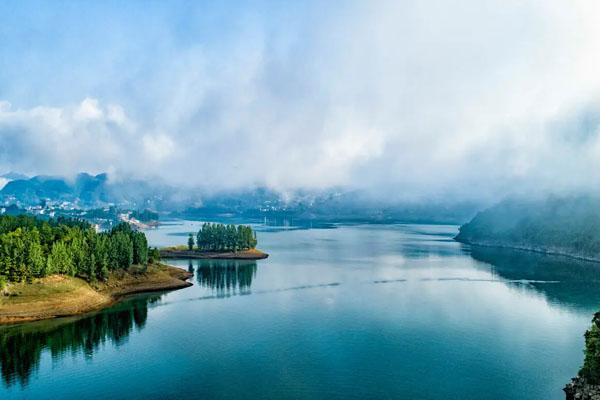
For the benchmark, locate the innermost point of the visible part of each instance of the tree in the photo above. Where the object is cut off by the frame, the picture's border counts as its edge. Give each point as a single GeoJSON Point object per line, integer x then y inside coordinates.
{"type": "Point", "coordinates": [140, 248]}
{"type": "Point", "coordinates": [101, 255]}
{"type": "Point", "coordinates": [35, 255]}
{"type": "Point", "coordinates": [59, 260]}
{"type": "Point", "coordinates": [79, 253]}
{"type": "Point", "coordinates": [154, 255]}
{"type": "Point", "coordinates": [191, 242]}
{"type": "Point", "coordinates": [121, 251]}
{"type": "Point", "coordinates": [91, 268]}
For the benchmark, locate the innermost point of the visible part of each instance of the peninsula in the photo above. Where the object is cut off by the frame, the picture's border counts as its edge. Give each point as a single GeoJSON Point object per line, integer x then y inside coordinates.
{"type": "Point", "coordinates": [63, 267]}
{"type": "Point", "coordinates": [218, 241]}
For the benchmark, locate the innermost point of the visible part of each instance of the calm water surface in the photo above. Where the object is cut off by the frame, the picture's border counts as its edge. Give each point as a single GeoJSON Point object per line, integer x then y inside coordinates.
{"type": "Point", "coordinates": [398, 312]}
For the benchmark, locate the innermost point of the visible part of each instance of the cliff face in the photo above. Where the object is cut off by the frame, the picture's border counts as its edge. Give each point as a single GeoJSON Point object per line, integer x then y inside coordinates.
{"type": "Point", "coordinates": [579, 389]}
{"type": "Point", "coordinates": [567, 226]}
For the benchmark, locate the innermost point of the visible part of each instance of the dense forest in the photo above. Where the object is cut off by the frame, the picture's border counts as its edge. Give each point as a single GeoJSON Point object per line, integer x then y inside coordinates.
{"type": "Point", "coordinates": [566, 225]}
{"type": "Point", "coordinates": [221, 237]}
{"type": "Point", "coordinates": [33, 248]}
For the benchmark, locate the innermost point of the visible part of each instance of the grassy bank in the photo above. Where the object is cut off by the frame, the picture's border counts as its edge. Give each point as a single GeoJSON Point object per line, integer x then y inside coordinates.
{"type": "Point", "coordinates": [61, 295]}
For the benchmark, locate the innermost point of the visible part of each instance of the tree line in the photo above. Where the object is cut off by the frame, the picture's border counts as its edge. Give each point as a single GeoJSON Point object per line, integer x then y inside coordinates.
{"type": "Point", "coordinates": [221, 237]}
{"type": "Point", "coordinates": [33, 248]}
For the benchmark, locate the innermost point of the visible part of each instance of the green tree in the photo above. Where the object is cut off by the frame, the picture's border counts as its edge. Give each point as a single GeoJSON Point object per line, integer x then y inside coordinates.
{"type": "Point", "coordinates": [140, 248]}
{"type": "Point", "coordinates": [154, 255]}
{"type": "Point", "coordinates": [59, 260]}
{"type": "Point", "coordinates": [191, 242]}
{"type": "Point", "coordinates": [35, 255]}
{"type": "Point", "coordinates": [591, 363]}
{"type": "Point", "coordinates": [121, 253]}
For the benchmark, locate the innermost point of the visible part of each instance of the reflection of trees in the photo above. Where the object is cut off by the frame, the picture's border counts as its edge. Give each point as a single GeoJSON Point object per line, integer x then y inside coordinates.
{"type": "Point", "coordinates": [226, 276]}
{"type": "Point", "coordinates": [576, 283]}
{"type": "Point", "coordinates": [21, 346]}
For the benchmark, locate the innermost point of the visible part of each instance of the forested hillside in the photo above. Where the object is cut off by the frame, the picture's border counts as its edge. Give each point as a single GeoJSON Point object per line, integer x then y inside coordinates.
{"type": "Point", "coordinates": [32, 248]}
{"type": "Point", "coordinates": [565, 225]}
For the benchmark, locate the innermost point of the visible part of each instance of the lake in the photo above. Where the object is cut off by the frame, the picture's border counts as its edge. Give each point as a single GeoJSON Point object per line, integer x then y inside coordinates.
{"type": "Point", "coordinates": [346, 312]}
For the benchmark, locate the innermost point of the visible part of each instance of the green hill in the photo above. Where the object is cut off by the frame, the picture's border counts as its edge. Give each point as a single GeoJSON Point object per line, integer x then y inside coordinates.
{"type": "Point", "coordinates": [558, 225]}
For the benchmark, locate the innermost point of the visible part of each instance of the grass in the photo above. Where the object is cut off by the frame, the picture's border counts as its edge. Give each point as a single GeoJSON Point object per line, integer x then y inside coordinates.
{"type": "Point", "coordinates": [41, 289]}
{"type": "Point", "coordinates": [181, 247]}
{"type": "Point", "coordinates": [60, 295]}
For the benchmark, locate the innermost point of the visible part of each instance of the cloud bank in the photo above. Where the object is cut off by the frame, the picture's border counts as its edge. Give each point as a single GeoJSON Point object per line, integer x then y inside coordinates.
{"type": "Point", "coordinates": [465, 99]}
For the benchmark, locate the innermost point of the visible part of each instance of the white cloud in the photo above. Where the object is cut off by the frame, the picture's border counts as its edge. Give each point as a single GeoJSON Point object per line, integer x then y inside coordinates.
{"type": "Point", "coordinates": [467, 98]}
{"type": "Point", "coordinates": [158, 147]}
{"type": "Point", "coordinates": [88, 110]}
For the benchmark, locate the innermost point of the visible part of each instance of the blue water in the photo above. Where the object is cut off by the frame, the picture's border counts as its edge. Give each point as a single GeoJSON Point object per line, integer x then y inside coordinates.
{"type": "Point", "coordinates": [371, 311]}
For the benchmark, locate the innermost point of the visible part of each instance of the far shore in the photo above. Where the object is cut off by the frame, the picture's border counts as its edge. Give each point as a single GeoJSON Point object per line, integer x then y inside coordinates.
{"type": "Point", "coordinates": [60, 296]}
{"type": "Point", "coordinates": [184, 252]}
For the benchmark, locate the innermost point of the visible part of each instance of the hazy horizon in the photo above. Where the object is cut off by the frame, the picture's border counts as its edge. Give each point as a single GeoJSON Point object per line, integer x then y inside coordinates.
{"type": "Point", "coordinates": [462, 100]}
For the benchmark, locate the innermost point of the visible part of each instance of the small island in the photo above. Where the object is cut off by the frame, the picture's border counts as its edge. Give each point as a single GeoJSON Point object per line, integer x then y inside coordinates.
{"type": "Point", "coordinates": [62, 267]}
{"type": "Point", "coordinates": [218, 241]}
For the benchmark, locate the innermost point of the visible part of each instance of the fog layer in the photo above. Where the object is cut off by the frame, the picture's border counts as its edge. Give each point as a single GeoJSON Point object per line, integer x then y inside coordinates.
{"type": "Point", "coordinates": [463, 99]}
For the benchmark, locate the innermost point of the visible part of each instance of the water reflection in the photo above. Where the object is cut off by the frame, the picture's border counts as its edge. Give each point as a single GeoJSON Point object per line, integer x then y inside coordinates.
{"type": "Point", "coordinates": [226, 277]}
{"type": "Point", "coordinates": [21, 346]}
{"type": "Point", "coordinates": [565, 281]}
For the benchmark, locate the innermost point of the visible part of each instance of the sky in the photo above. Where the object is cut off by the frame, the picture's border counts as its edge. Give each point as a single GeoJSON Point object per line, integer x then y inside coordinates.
{"type": "Point", "coordinates": [416, 99]}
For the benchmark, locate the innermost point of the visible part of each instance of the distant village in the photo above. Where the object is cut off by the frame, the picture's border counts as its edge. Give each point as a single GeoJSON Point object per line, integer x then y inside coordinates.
{"type": "Point", "coordinates": [103, 218]}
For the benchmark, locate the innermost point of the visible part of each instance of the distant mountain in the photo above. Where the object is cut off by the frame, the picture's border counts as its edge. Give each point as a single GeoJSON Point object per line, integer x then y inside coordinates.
{"type": "Point", "coordinates": [558, 225]}
{"type": "Point", "coordinates": [10, 176]}
{"type": "Point", "coordinates": [36, 188]}
{"type": "Point", "coordinates": [86, 189]}
{"type": "Point", "coordinates": [90, 191]}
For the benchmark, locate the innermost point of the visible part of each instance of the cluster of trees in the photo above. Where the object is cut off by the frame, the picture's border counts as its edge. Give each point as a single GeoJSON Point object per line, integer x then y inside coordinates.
{"type": "Point", "coordinates": [221, 237]}
{"type": "Point", "coordinates": [591, 365]}
{"type": "Point", "coordinates": [32, 248]}
{"type": "Point", "coordinates": [145, 215]}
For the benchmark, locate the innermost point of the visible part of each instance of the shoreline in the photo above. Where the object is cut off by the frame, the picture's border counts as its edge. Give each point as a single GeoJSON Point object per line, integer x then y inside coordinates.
{"type": "Point", "coordinates": [174, 253]}
{"type": "Point", "coordinates": [530, 249]}
{"type": "Point", "coordinates": [62, 296]}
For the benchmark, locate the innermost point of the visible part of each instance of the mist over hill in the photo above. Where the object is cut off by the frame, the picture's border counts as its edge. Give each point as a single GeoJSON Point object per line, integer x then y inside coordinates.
{"type": "Point", "coordinates": [568, 225]}
{"type": "Point", "coordinates": [86, 191]}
